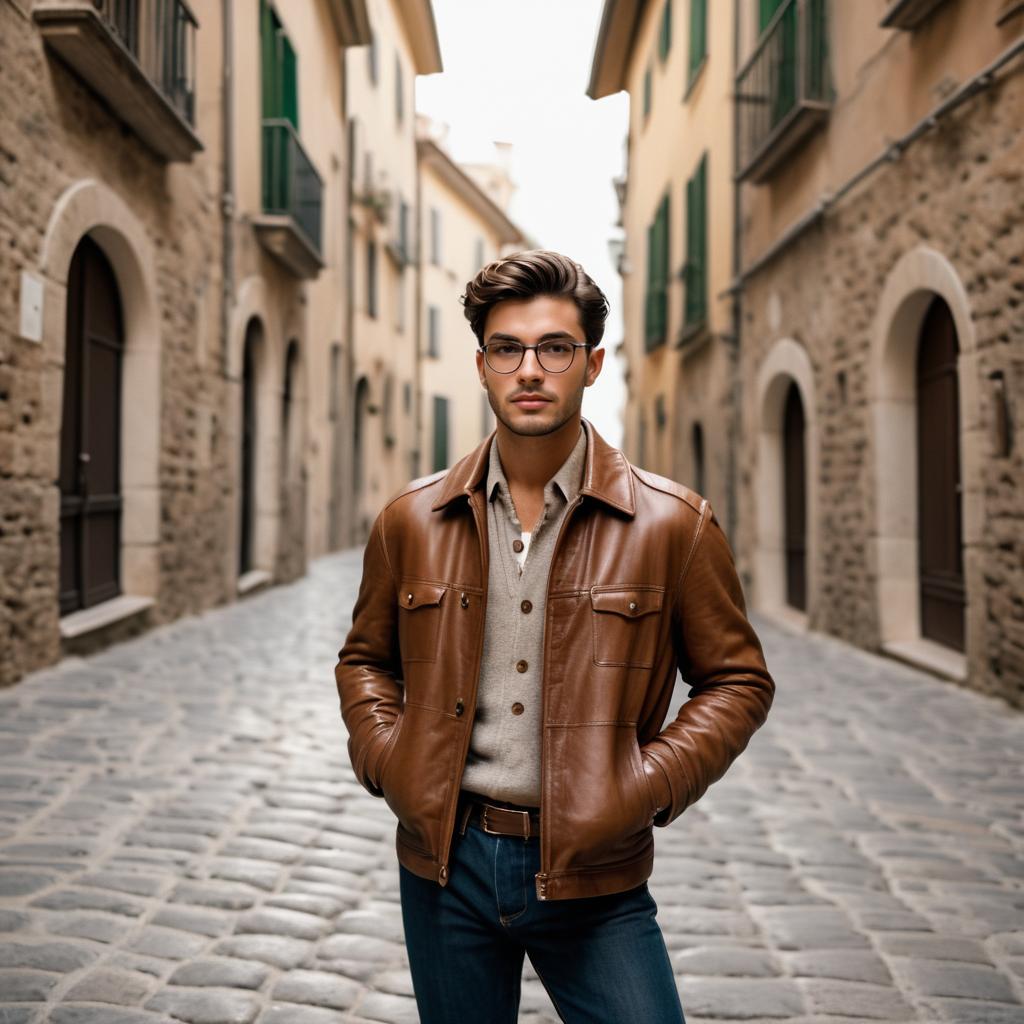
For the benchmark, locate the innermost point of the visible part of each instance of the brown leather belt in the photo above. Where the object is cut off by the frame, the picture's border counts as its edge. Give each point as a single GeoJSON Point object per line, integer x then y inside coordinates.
{"type": "Point", "coordinates": [499, 821]}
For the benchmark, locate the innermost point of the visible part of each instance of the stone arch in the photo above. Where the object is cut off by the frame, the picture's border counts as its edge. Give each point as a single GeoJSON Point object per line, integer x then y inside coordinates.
{"type": "Point", "coordinates": [89, 207]}
{"type": "Point", "coordinates": [787, 362]}
{"type": "Point", "coordinates": [918, 277]}
{"type": "Point", "coordinates": [253, 302]}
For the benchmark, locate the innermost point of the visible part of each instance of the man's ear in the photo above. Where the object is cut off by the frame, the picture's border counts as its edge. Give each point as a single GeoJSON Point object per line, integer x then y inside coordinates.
{"type": "Point", "coordinates": [480, 368]}
{"type": "Point", "coordinates": [594, 363]}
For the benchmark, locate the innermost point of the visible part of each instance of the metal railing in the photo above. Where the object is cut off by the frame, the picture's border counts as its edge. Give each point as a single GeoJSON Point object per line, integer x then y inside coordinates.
{"type": "Point", "coordinates": [787, 71]}
{"type": "Point", "coordinates": [291, 185]}
{"type": "Point", "coordinates": [161, 36]}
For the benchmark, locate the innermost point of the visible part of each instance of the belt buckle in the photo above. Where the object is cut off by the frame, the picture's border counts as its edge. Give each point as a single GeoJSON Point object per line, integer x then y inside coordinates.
{"type": "Point", "coordinates": [483, 821]}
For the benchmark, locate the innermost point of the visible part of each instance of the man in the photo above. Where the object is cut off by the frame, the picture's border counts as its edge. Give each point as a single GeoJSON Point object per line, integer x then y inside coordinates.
{"type": "Point", "coordinates": [512, 657]}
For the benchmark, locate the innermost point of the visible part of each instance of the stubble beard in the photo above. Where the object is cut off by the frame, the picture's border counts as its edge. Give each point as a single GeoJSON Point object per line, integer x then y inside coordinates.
{"type": "Point", "coordinates": [535, 426]}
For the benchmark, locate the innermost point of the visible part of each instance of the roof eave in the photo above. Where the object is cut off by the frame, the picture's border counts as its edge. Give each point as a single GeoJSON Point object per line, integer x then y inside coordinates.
{"type": "Point", "coordinates": [615, 37]}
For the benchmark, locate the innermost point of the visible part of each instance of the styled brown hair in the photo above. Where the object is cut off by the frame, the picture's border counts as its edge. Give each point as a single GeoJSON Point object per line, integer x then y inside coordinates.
{"type": "Point", "coordinates": [522, 275]}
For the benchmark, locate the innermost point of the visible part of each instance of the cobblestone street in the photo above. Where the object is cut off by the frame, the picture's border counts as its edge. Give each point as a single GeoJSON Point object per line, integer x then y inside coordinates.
{"type": "Point", "coordinates": [181, 838]}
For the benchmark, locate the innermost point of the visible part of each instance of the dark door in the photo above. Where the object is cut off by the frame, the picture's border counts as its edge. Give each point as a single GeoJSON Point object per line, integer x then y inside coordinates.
{"type": "Point", "coordinates": [795, 497]}
{"type": "Point", "coordinates": [248, 482]}
{"type": "Point", "coordinates": [940, 536]}
{"type": "Point", "coordinates": [90, 436]}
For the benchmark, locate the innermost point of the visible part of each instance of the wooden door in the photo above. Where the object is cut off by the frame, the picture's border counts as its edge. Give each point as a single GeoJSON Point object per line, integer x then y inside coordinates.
{"type": "Point", "coordinates": [90, 442]}
{"type": "Point", "coordinates": [248, 467]}
{"type": "Point", "coordinates": [940, 533]}
{"type": "Point", "coordinates": [795, 499]}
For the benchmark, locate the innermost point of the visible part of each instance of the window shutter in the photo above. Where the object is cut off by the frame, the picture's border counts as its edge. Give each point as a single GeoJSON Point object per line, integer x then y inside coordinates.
{"type": "Point", "coordinates": [767, 10]}
{"type": "Point", "coordinates": [289, 82]}
{"type": "Point", "coordinates": [665, 35]}
{"type": "Point", "coordinates": [440, 433]}
{"type": "Point", "coordinates": [696, 245]}
{"type": "Point", "coordinates": [647, 92]}
{"type": "Point", "coordinates": [698, 34]}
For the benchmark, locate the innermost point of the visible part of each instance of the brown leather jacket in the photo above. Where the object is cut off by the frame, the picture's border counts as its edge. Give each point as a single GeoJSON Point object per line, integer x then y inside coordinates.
{"type": "Point", "coordinates": [642, 582]}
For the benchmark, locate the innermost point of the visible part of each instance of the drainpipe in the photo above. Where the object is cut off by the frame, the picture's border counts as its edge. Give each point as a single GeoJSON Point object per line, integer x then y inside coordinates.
{"type": "Point", "coordinates": [227, 199]}
{"type": "Point", "coordinates": [734, 431]}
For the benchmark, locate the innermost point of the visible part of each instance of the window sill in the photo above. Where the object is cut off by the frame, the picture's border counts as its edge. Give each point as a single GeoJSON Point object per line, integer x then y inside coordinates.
{"type": "Point", "coordinates": [76, 625]}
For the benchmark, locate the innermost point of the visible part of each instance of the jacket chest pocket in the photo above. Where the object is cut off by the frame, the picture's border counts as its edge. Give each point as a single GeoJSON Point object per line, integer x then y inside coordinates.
{"type": "Point", "coordinates": [625, 620]}
{"type": "Point", "coordinates": [419, 619]}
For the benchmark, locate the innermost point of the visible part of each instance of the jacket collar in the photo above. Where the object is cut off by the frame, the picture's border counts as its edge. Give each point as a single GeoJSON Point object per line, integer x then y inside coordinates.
{"type": "Point", "coordinates": [606, 475]}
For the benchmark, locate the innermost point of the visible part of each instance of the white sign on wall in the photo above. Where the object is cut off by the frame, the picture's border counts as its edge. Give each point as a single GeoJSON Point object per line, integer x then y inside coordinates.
{"type": "Point", "coordinates": [31, 307]}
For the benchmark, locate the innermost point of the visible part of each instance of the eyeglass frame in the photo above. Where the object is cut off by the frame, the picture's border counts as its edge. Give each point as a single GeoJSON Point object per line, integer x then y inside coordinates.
{"type": "Point", "coordinates": [574, 344]}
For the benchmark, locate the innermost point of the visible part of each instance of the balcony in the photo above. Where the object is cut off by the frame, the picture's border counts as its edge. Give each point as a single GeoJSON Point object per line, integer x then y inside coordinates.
{"type": "Point", "coordinates": [289, 227]}
{"type": "Point", "coordinates": [139, 56]}
{"type": "Point", "coordinates": [783, 93]}
{"type": "Point", "coordinates": [908, 14]}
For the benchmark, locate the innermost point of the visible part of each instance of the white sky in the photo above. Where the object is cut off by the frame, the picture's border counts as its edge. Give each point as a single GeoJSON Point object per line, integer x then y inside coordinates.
{"type": "Point", "coordinates": [518, 72]}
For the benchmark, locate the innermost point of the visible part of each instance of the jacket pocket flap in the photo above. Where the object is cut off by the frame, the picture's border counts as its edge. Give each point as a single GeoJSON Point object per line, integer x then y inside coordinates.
{"type": "Point", "coordinates": [628, 601]}
{"type": "Point", "coordinates": [417, 594]}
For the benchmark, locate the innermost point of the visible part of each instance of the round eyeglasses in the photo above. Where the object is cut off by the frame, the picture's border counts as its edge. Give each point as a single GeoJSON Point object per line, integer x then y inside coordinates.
{"type": "Point", "coordinates": [554, 356]}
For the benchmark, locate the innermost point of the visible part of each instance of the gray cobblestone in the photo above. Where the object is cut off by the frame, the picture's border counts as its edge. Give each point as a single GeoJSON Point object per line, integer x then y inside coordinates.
{"type": "Point", "coordinates": [27, 986]}
{"type": "Point", "coordinates": [859, 861]}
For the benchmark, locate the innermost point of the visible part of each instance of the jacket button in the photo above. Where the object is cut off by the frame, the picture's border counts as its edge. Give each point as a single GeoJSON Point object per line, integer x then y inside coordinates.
{"type": "Point", "coordinates": [517, 546]}
{"type": "Point", "coordinates": [522, 666]}
{"type": "Point", "coordinates": [517, 708]}
{"type": "Point", "coordinates": [632, 606]}
{"type": "Point", "coordinates": [459, 708]}
{"type": "Point", "coordinates": [408, 598]}
{"type": "Point", "coordinates": [463, 600]}
{"type": "Point", "coordinates": [527, 607]}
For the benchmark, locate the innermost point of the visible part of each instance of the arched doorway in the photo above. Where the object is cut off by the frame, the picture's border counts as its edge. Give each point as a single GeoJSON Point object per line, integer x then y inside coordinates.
{"type": "Point", "coordinates": [794, 491]}
{"type": "Point", "coordinates": [90, 441]}
{"type": "Point", "coordinates": [940, 528]}
{"type": "Point", "coordinates": [291, 364]}
{"type": "Point", "coordinates": [250, 360]}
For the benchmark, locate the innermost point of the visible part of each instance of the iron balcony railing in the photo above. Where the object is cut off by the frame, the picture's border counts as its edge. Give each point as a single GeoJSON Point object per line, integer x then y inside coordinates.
{"type": "Point", "coordinates": [786, 77]}
{"type": "Point", "coordinates": [161, 36]}
{"type": "Point", "coordinates": [291, 185]}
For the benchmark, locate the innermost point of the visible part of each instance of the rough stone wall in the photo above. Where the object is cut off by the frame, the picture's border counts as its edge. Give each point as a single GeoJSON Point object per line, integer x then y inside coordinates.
{"type": "Point", "coordinates": [957, 190]}
{"type": "Point", "coordinates": [53, 132]}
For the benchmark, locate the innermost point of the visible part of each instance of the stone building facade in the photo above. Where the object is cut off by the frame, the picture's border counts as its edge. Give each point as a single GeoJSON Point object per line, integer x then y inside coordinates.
{"type": "Point", "coordinates": [879, 470]}
{"type": "Point", "coordinates": [885, 473]}
{"type": "Point", "coordinates": [156, 306]}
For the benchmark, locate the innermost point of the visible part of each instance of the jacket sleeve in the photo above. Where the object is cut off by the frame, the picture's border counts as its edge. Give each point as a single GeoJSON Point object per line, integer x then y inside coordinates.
{"type": "Point", "coordinates": [369, 665]}
{"type": "Point", "coordinates": [720, 657]}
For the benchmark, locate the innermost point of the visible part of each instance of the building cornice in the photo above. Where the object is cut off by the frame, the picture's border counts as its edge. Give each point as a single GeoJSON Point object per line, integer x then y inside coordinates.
{"type": "Point", "coordinates": [432, 155]}
{"type": "Point", "coordinates": [614, 46]}
{"type": "Point", "coordinates": [351, 22]}
{"type": "Point", "coordinates": [421, 31]}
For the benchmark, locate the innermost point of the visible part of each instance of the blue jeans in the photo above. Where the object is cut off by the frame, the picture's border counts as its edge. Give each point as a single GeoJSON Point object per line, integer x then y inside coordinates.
{"type": "Point", "coordinates": [602, 959]}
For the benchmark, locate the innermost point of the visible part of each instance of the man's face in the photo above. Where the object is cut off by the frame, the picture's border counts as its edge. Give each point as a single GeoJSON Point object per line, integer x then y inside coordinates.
{"type": "Point", "coordinates": [531, 400]}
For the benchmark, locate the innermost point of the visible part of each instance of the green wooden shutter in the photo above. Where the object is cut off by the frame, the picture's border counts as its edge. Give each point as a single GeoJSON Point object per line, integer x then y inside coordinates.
{"type": "Point", "coordinates": [649, 330]}
{"type": "Point", "coordinates": [698, 35]}
{"type": "Point", "coordinates": [279, 69]}
{"type": "Point", "coordinates": [767, 11]}
{"type": "Point", "coordinates": [440, 433]}
{"type": "Point", "coordinates": [665, 34]}
{"type": "Point", "coordinates": [647, 92]}
{"type": "Point", "coordinates": [696, 306]}
{"type": "Point", "coordinates": [268, 60]}
{"type": "Point", "coordinates": [289, 82]}
{"type": "Point", "coordinates": [656, 304]}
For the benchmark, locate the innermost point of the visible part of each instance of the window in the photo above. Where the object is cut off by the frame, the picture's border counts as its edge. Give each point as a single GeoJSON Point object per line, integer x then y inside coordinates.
{"type": "Point", "coordinates": [404, 242]}
{"type": "Point", "coordinates": [696, 270]}
{"type": "Point", "coordinates": [665, 31]}
{"type": "Point", "coordinates": [647, 93]}
{"type": "Point", "coordinates": [371, 278]}
{"type": "Point", "coordinates": [697, 444]}
{"type": "Point", "coordinates": [698, 37]}
{"type": "Point", "coordinates": [656, 301]}
{"type": "Point", "coordinates": [371, 60]}
{"type": "Point", "coordinates": [399, 90]}
{"type": "Point", "coordinates": [280, 69]}
{"type": "Point", "coordinates": [407, 398]}
{"type": "Point", "coordinates": [440, 433]}
{"type": "Point", "coordinates": [400, 303]}
{"type": "Point", "coordinates": [478, 256]}
{"type": "Point", "coordinates": [435, 236]}
{"type": "Point", "coordinates": [334, 383]}
{"type": "Point", "coordinates": [433, 331]}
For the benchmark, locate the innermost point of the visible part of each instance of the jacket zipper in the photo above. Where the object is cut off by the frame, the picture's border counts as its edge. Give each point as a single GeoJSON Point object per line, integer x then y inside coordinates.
{"type": "Point", "coordinates": [541, 878]}
{"type": "Point", "coordinates": [453, 798]}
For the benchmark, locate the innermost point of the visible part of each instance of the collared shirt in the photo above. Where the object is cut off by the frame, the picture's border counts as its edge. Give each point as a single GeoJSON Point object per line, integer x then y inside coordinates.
{"type": "Point", "coordinates": [504, 750]}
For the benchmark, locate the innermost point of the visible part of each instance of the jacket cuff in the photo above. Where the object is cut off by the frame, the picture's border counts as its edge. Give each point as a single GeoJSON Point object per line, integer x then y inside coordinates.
{"type": "Point", "coordinates": [674, 786]}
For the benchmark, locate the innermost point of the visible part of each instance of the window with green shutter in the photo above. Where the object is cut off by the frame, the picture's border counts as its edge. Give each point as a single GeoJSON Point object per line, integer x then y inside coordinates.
{"type": "Point", "coordinates": [656, 304]}
{"type": "Point", "coordinates": [698, 37]}
{"type": "Point", "coordinates": [665, 32]}
{"type": "Point", "coordinates": [434, 331]}
{"type": "Point", "coordinates": [440, 433]}
{"type": "Point", "coordinates": [647, 93]}
{"type": "Point", "coordinates": [766, 11]}
{"type": "Point", "coordinates": [279, 69]}
{"type": "Point", "coordinates": [696, 269]}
